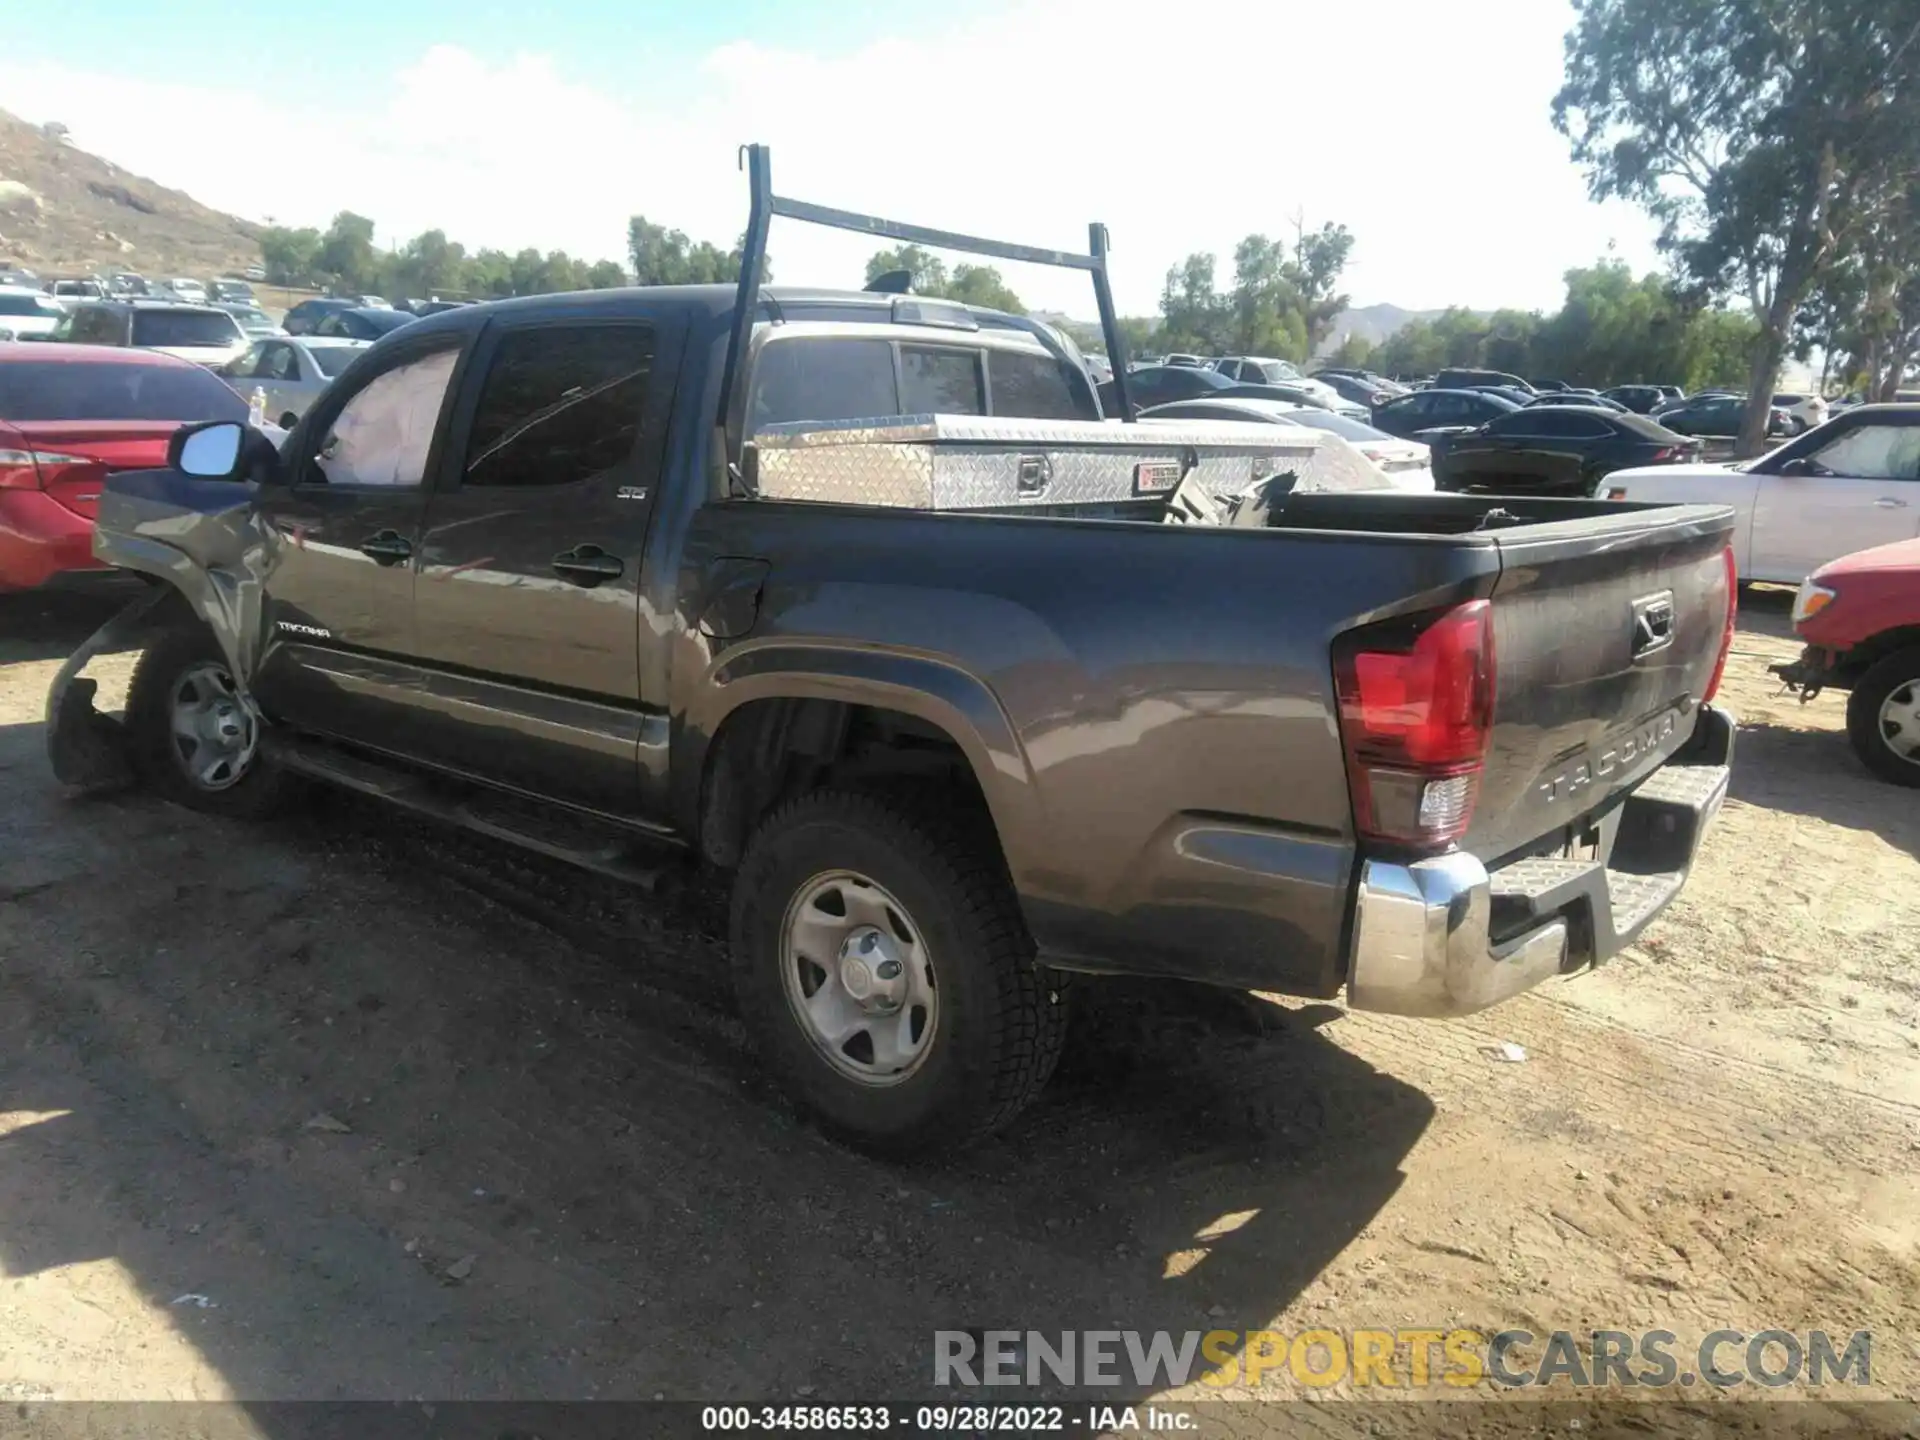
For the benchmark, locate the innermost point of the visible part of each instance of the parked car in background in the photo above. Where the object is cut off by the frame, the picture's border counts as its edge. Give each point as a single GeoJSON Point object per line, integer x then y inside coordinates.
{"type": "Point", "coordinates": [1852, 484]}
{"type": "Point", "coordinates": [1259, 370]}
{"type": "Point", "coordinates": [74, 292]}
{"type": "Point", "coordinates": [1803, 411]}
{"type": "Point", "coordinates": [1580, 397]}
{"type": "Point", "coordinates": [253, 320]}
{"type": "Point", "coordinates": [1550, 386]}
{"type": "Point", "coordinates": [361, 324]}
{"type": "Point", "coordinates": [28, 314]}
{"type": "Point", "coordinates": [1367, 391]}
{"type": "Point", "coordinates": [255, 273]}
{"type": "Point", "coordinates": [375, 302]}
{"type": "Point", "coordinates": [1717, 415]}
{"type": "Point", "coordinates": [127, 285]}
{"type": "Point", "coordinates": [1552, 450]}
{"type": "Point", "coordinates": [1466, 379]}
{"type": "Point", "coordinates": [182, 287]}
{"type": "Point", "coordinates": [1424, 410]}
{"type": "Point", "coordinates": [293, 372]}
{"type": "Point", "coordinates": [1506, 392]}
{"type": "Point", "coordinates": [1859, 617]}
{"type": "Point", "coordinates": [423, 308]}
{"type": "Point", "coordinates": [70, 415]}
{"type": "Point", "coordinates": [1163, 384]}
{"type": "Point", "coordinates": [189, 332]}
{"type": "Point", "coordinates": [18, 277]}
{"type": "Point", "coordinates": [230, 292]}
{"type": "Point", "coordinates": [1179, 359]}
{"type": "Point", "coordinates": [1641, 399]}
{"type": "Point", "coordinates": [304, 317]}
{"type": "Point", "coordinates": [1403, 462]}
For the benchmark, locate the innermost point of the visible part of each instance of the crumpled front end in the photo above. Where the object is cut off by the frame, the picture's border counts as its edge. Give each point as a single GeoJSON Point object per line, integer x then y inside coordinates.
{"type": "Point", "coordinates": [203, 545]}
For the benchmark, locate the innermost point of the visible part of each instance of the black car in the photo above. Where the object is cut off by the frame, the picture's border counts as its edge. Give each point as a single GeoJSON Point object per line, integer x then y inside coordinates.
{"type": "Point", "coordinates": [1581, 397]}
{"type": "Point", "coordinates": [1717, 415]}
{"type": "Point", "coordinates": [361, 324]}
{"type": "Point", "coordinates": [1552, 450]}
{"type": "Point", "coordinates": [1641, 399]}
{"type": "Point", "coordinates": [1463, 379]}
{"type": "Point", "coordinates": [305, 318]}
{"type": "Point", "coordinates": [1163, 384]}
{"type": "Point", "coordinates": [1361, 389]}
{"type": "Point", "coordinates": [1430, 409]}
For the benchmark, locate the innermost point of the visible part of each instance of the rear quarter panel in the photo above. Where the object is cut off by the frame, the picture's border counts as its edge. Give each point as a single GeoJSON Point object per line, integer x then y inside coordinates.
{"type": "Point", "coordinates": [1156, 731]}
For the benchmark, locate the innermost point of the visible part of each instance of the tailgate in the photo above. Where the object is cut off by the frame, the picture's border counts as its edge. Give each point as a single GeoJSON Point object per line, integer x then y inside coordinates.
{"type": "Point", "coordinates": [1606, 634]}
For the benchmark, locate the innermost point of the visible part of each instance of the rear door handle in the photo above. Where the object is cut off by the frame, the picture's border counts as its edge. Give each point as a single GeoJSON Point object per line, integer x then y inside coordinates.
{"type": "Point", "coordinates": [389, 547]}
{"type": "Point", "coordinates": [587, 565]}
{"type": "Point", "coordinates": [1887, 502]}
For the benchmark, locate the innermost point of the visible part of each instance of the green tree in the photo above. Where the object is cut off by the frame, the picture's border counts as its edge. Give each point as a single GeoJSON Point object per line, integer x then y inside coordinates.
{"type": "Point", "coordinates": [1766, 136]}
{"type": "Point", "coordinates": [290, 257]}
{"type": "Point", "coordinates": [981, 285]}
{"type": "Point", "coordinates": [659, 256]}
{"type": "Point", "coordinates": [1194, 317]}
{"type": "Point", "coordinates": [928, 270]}
{"type": "Point", "coordinates": [606, 275]}
{"type": "Point", "coordinates": [1264, 306]}
{"type": "Point", "coordinates": [347, 254]}
{"type": "Point", "coordinates": [1319, 259]}
{"type": "Point", "coordinates": [1354, 352]}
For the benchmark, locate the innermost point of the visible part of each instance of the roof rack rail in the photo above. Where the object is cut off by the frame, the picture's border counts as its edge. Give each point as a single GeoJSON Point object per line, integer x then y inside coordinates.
{"type": "Point", "coordinates": [765, 205]}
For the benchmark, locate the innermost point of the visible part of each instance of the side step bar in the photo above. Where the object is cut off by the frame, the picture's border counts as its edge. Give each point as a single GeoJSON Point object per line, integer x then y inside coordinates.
{"type": "Point", "coordinates": [592, 844]}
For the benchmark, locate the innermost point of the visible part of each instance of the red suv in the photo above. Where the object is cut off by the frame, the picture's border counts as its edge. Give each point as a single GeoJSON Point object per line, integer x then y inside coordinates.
{"type": "Point", "coordinates": [70, 415]}
{"type": "Point", "coordinates": [1860, 617]}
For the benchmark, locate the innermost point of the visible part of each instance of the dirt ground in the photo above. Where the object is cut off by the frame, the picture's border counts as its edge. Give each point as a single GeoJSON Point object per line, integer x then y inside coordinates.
{"type": "Point", "coordinates": [348, 1107]}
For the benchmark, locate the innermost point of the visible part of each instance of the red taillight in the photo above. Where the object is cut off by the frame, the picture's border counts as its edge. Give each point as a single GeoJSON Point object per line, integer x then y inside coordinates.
{"type": "Point", "coordinates": [31, 469]}
{"type": "Point", "coordinates": [1726, 634]}
{"type": "Point", "coordinates": [1416, 707]}
{"type": "Point", "coordinates": [1665, 453]}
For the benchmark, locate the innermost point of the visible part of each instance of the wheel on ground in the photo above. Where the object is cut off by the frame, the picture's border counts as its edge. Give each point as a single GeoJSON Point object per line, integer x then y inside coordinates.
{"type": "Point", "coordinates": [192, 735]}
{"type": "Point", "coordinates": [885, 973]}
{"type": "Point", "coordinates": [1883, 718]}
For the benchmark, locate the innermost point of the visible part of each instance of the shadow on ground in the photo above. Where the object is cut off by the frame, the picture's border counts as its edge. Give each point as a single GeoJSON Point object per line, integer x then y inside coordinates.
{"type": "Point", "coordinates": [52, 624]}
{"type": "Point", "coordinates": [422, 1118]}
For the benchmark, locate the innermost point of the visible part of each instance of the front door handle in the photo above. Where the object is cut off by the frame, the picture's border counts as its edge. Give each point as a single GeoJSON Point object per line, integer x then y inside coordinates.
{"type": "Point", "coordinates": [389, 547]}
{"type": "Point", "coordinates": [1887, 502]}
{"type": "Point", "coordinates": [587, 565]}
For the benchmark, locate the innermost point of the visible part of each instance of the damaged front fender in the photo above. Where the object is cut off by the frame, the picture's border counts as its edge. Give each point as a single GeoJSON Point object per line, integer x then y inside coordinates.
{"type": "Point", "coordinates": [203, 541]}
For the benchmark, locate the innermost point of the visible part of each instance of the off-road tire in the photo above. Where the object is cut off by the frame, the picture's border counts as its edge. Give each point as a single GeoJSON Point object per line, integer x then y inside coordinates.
{"type": "Point", "coordinates": [1870, 692]}
{"type": "Point", "coordinates": [262, 791]}
{"type": "Point", "coordinates": [1002, 1017]}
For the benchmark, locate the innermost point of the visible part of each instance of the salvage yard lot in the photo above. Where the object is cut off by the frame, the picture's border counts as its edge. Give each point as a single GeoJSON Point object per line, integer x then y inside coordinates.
{"type": "Point", "coordinates": [347, 1106]}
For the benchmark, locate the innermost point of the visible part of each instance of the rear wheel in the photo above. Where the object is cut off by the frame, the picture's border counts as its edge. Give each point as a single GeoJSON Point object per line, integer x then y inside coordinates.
{"type": "Point", "coordinates": [193, 735]}
{"type": "Point", "coordinates": [883, 967]}
{"type": "Point", "coordinates": [1883, 718]}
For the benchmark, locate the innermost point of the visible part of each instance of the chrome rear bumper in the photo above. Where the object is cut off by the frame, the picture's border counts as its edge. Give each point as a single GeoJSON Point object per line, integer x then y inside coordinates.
{"type": "Point", "coordinates": [1443, 937]}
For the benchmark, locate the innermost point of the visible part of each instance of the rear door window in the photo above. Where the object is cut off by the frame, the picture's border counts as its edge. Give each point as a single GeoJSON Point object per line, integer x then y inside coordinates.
{"type": "Point", "coordinates": [560, 405]}
{"type": "Point", "coordinates": [183, 328]}
{"type": "Point", "coordinates": [383, 433]}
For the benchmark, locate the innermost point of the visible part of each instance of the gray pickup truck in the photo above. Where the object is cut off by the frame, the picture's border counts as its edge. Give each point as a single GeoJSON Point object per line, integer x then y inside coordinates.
{"type": "Point", "coordinates": [858, 597]}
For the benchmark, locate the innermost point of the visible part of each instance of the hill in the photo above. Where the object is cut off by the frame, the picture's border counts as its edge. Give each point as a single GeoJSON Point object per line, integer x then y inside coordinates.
{"type": "Point", "coordinates": [63, 211]}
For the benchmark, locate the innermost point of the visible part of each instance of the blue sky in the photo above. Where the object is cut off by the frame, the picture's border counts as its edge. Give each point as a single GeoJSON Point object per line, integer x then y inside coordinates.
{"type": "Point", "coordinates": [1423, 127]}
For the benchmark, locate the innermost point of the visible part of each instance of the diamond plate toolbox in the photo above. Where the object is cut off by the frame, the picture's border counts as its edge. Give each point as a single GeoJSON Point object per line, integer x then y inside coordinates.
{"type": "Point", "coordinates": [972, 462]}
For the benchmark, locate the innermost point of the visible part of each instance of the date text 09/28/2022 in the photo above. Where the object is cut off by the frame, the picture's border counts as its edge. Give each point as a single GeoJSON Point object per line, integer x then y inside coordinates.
{"type": "Point", "coordinates": [950, 1419]}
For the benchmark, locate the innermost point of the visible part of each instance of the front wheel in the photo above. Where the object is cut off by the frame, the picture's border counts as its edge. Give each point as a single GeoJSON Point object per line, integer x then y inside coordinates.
{"type": "Point", "coordinates": [193, 735]}
{"type": "Point", "coordinates": [885, 973]}
{"type": "Point", "coordinates": [1883, 718]}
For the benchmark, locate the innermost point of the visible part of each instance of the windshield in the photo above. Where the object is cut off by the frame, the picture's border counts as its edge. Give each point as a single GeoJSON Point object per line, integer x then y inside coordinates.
{"type": "Point", "coordinates": [108, 390]}
{"type": "Point", "coordinates": [183, 328]}
{"type": "Point", "coordinates": [332, 359]}
{"type": "Point", "coordinates": [29, 305]}
{"type": "Point", "coordinates": [1276, 370]}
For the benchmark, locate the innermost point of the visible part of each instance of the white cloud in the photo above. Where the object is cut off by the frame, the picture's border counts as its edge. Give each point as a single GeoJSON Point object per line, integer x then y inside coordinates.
{"type": "Point", "coordinates": [1423, 128]}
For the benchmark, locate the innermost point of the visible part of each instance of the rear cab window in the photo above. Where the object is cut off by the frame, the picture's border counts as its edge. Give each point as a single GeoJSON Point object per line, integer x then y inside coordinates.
{"type": "Point", "coordinates": [559, 406]}
{"type": "Point", "coordinates": [846, 377]}
{"type": "Point", "coordinates": [184, 328]}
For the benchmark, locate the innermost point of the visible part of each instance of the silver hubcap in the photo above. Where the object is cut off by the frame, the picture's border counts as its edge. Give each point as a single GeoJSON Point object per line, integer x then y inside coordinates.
{"type": "Point", "coordinates": [1900, 722]}
{"type": "Point", "coordinates": [213, 735]}
{"type": "Point", "coordinates": [858, 978]}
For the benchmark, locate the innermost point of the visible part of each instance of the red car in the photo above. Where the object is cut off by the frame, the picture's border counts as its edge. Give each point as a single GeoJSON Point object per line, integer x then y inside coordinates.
{"type": "Point", "coordinates": [69, 416]}
{"type": "Point", "coordinates": [1860, 617]}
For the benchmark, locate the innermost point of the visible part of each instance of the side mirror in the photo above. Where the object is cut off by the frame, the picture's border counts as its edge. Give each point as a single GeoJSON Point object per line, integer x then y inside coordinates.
{"type": "Point", "coordinates": [225, 450]}
{"type": "Point", "coordinates": [209, 452]}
